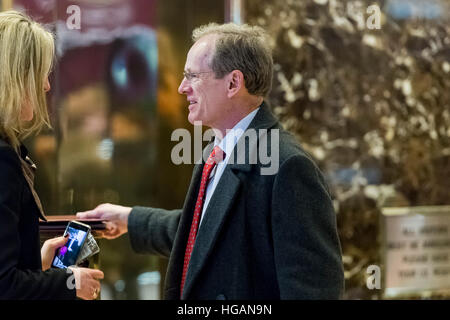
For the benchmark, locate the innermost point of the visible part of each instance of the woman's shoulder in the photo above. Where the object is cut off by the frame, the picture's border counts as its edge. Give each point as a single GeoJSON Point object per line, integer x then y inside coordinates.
{"type": "Point", "coordinates": [9, 159]}
{"type": "Point", "coordinates": [3, 143]}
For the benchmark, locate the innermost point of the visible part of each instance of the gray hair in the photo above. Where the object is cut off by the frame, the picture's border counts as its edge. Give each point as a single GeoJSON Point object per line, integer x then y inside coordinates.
{"type": "Point", "coordinates": [244, 48]}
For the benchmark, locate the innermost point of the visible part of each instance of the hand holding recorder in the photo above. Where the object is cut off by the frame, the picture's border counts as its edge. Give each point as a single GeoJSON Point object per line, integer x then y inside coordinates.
{"type": "Point", "coordinates": [75, 246]}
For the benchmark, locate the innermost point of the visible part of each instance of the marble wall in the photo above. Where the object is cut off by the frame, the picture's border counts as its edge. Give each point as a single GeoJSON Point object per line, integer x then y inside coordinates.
{"type": "Point", "coordinates": [371, 105]}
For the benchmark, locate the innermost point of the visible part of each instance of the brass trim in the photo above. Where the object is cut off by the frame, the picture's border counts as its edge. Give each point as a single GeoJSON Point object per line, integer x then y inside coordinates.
{"type": "Point", "coordinates": [395, 211]}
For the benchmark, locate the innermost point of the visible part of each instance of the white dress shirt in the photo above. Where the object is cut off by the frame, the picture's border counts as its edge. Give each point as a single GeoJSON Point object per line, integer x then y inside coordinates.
{"type": "Point", "coordinates": [227, 145]}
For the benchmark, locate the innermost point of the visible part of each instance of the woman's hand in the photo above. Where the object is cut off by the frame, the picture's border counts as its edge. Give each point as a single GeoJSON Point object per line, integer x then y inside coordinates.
{"type": "Point", "coordinates": [49, 248]}
{"type": "Point", "coordinates": [87, 282]}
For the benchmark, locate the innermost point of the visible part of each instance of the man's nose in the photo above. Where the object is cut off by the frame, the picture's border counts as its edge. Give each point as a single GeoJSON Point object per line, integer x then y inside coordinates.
{"type": "Point", "coordinates": [184, 86]}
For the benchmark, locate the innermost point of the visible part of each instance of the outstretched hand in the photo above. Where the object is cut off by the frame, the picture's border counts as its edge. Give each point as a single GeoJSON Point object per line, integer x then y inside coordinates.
{"type": "Point", "coordinates": [115, 217]}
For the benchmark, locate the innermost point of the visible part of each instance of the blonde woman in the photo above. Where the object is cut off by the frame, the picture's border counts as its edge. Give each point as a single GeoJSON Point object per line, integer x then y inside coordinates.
{"type": "Point", "coordinates": [26, 54]}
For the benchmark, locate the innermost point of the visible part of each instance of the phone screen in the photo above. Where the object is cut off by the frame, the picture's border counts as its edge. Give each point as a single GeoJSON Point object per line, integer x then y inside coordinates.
{"type": "Point", "coordinates": [67, 255]}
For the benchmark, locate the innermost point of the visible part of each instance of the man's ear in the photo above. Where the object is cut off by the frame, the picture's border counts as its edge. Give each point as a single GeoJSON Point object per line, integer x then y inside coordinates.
{"type": "Point", "coordinates": [235, 82]}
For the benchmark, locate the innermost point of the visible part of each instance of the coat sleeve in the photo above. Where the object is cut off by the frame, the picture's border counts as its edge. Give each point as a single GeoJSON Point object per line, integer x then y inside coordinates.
{"type": "Point", "coordinates": [153, 230]}
{"type": "Point", "coordinates": [17, 283]}
{"type": "Point", "coordinates": [307, 251]}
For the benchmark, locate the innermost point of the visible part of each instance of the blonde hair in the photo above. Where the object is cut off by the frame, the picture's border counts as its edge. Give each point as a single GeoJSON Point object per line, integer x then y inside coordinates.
{"type": "Point", "coordinates": [26, 57]}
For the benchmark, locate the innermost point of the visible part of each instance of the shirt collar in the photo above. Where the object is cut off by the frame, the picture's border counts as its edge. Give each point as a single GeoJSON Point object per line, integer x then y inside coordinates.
{"type": "Point", "coordinates": [232, 136]}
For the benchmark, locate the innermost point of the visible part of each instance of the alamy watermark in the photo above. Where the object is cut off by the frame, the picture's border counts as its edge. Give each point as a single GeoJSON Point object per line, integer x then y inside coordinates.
{"type": "Point", "coordinates": [374, 279]}
{"type": "Point", "coordinates": [74, 20]}
{"type": "Point", "coordinates": [73, 281]}
{"type": "Point", "coordinates": [251, 146]}
{"type": "Point", "coordinates": [373, 13]}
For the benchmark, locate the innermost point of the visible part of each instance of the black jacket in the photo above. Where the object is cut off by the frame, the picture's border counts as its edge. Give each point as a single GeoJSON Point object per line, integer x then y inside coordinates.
{"type": "Point", "coordinates": [262, 237]}
{"type": "Point", "coordinates": [21, 275]}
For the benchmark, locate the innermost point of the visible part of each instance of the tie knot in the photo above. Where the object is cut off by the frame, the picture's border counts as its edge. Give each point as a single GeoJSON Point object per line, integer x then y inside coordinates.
{"type": "Point", "coordinates": [217, 155]}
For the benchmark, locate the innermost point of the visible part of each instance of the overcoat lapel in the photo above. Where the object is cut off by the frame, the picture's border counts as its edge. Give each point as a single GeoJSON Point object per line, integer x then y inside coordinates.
{"type": "Point", "coordinates": [218, 209]}
{"type": "Point", "coordinates": [175, 266]}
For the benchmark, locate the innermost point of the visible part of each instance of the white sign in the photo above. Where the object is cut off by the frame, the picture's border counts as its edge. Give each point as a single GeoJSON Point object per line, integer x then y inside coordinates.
{"type": "Point", "coordinates": [417, 250]}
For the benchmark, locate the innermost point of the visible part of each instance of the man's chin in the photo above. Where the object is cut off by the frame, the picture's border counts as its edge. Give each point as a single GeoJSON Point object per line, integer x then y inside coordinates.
{"type": "Point", "coordinates": [191, 119]}
{"type": "Point", "coordinates": [194, 120]}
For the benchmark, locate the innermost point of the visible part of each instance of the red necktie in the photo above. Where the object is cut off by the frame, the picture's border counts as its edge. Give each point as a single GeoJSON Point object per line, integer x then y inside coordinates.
{"type": "Point", "coordinates": [215, 157]}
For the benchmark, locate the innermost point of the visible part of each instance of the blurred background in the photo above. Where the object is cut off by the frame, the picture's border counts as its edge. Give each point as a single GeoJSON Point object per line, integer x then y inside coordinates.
{"type": "Point", "coordinates": [366, 92]}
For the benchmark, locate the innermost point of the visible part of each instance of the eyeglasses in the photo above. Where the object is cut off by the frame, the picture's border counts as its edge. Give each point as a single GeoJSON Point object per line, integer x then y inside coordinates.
{"type": "Point", "coordinates": [193, 75]}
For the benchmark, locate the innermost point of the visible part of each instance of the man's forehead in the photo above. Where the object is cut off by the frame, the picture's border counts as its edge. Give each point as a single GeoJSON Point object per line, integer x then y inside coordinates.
{"type": "Point", "coordinates": [202, 49]}
{"type": "Point", "coordinates": [206, 41]}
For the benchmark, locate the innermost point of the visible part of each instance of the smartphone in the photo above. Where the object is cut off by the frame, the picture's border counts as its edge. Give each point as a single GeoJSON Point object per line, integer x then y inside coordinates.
{"type": "Point", "coordinates": [67, 256]}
